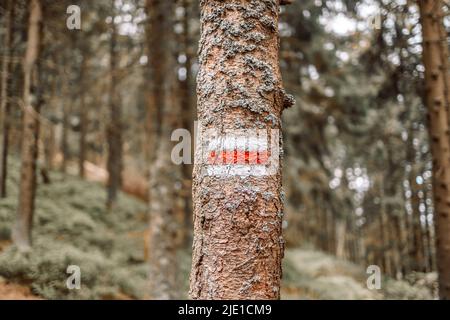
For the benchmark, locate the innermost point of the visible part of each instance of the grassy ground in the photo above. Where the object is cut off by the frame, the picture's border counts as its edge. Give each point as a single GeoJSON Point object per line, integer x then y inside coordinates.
{"type": "Point", "coordinates": [71, 227]}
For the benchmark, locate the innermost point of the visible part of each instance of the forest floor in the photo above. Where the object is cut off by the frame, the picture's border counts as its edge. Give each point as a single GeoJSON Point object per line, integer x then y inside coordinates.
{"type": "Point", "coordinates": [72, 227]}
{"type": "Point", "coordinates": [14, 291]}
{"type": "Point", "coordinates": [312, 274]}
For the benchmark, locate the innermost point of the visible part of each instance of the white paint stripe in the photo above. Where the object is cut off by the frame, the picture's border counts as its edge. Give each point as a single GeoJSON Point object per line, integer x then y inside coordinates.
{"type": "Point", "coordinates": [237, 170]}
{"type": "Point", "coordinates": [242, 141]}
{"type": "Point", "coordinates": [231, 143]}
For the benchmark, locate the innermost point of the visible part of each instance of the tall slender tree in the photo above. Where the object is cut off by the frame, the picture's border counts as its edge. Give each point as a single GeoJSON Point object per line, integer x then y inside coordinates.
{"type": "Point", "coordinates": [435, 59]}
{"type": "Point", "coordinates": [66, 108]}
{"type": "Point", "coordinates": [5, 104]}
{"type": "Point", "coordinates": [238, 244]}
{"type": "Point", "coordinates": [164, 174]}
{"type": "Point", "coordinates": [83, 118]}
{"type": "Point", "coordinates": [32, 99]}
{"type": "Point", "coordinates": [185, 86]}
{"type": "Point", "coordinates": [115, 125]}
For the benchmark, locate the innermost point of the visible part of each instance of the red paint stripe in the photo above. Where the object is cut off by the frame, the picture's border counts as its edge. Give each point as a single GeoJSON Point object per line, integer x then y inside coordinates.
{"type": "Point", "coordinates": [238, 157]}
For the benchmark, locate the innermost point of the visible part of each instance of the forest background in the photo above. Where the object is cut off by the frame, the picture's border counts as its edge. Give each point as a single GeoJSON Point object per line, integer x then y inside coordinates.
{"type": "Point", "coordinates": [86, 175]}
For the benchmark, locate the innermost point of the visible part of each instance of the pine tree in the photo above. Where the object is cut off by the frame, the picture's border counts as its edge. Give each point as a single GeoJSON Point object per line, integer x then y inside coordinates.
{"type": "Point", "coordinates": [186, 105]}
{"type": "Point", "coordinates": [238, 245]}
{"type": "Point", "coordinates": [83, 119]}
{"type": "Point", "coordinates": [5, 95]}
{"type": "Point", "coordinates": [32, 99]}
{"type": "Point", "coordinates": [164, 174]}
{"type": "Point", "coordinates": [115, 127]}
{"type": "Point", "coordinates": [435, 59]}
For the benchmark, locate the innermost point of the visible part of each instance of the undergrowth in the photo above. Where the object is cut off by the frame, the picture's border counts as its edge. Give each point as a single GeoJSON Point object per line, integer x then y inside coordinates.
{"type": "Point", "coordinates": [72, 227]}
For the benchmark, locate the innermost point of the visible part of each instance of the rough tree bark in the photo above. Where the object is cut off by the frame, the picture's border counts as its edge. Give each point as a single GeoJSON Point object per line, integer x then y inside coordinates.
{"type": "Point", "coordinates": [5, 94]}
{"type": "Point", "coordinates": [238, 244]}
{"type": "Point", "coordinates": [165, 176]}
{"type": "Point", "coordinates": [435, 58]}
{"type": "Point", "coordinates": [114, 134]}
{"type": "Point", "coordinates": [31, 94]}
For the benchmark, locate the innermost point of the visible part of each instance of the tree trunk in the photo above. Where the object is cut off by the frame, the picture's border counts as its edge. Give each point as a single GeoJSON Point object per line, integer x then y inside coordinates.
{"type": "Point", "coordinates": [5, 95]}
{"type": "Point", "coordinates": [114, 135]}
{"type": "Point", "coordinates": [164, 203]}
{"type": "Point", "coordinates": [83, 121]}
{"type": "Point", "coordinates": [66, 110]}
{"type": "Point", "coordinates": [27, 188]}
{"type": "Point", "coordinates": [47, 145]}
{"type": "Point", "coordinates": [436, 97]}
{"type": "Point", "coordinates": [331, 237]}
{"type": "Point", "coordinates": [238, 244]}
{"type": "Point", "coordinates": [396, 244]}
{"type": "Point", "coordinates": [340, 238]}
{"type": "Point", "coordinates": [188, 118]}
{"type": "Point", "coordinates": [154, 77]}
{"type": "Point", "coordinates": [384, 231]}
{"type": "Point", "coordinates": [418, 257]}
{"type": "Point", "coordinates": [404, 237]}
{"type": "Point", "coordinates": [430, 237]}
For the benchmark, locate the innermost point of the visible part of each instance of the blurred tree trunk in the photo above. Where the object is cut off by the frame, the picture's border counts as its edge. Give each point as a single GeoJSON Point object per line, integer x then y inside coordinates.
{"type": "Point", "coordinates": [165, 176]}
{"type": "Point", "coordinates": [392, 184]}
{"type": "Point", "coordinates": [384, 229]}
{"type": "Point", "coordinates": [46, 144]}
{"type": "Point", "coordinates": [436, 98]}
{"type": "Point", "coordinates": [238, 245]}
{"type": "Point", "coordinates": [188, 117]}
{"type": "Point", "coordinates": [353, 243]}
{"type": "Point", "coordinates": [331, 241]}
{"type": "Point", "coordinates": [66, 106]}
{"type": "Point", "coordinates": [305, 229]}
{"type": "Point", "coordinates": [429, 234]}
{"type": "Point", "coordinates": [404, 249]}
{"type": "Point", "coordinates": [154, 77]}
{"type": "Point", "coordinates": [323, 223]}
{"type": "Point", "coordinates": [47, 131]}
{"type": "Point", "coordinates": [340, 238]}
{"type": "Point", "coordinates": [409, 218]}
{"type": "Point", "coordinates": [114, 134]}
{"type": "Point", "coordinates": [419, 259]}
{"type": "Point", "coordinates": [32, 95]}
{"type": "Point", "coordinates": [5, 107]}
{"type": "Point", "coordinates": [83, 119]}
{"type": "Point", "coordinates": [395, 244]}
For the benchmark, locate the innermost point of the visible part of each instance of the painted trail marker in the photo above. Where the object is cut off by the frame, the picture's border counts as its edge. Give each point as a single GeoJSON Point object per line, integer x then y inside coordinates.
{"type": "Point", "coordinates": [240, 152]}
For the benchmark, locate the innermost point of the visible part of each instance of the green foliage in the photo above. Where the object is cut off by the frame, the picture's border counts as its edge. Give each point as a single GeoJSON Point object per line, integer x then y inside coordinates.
{"type": "Point", "coordinates": [72, 227]}
{"type": "Point", "coordinates": [416, 286]}
{"type": "Point", "coordinates": [402, 290]}
{"type": "Point", "coordinates": [309, 274]}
